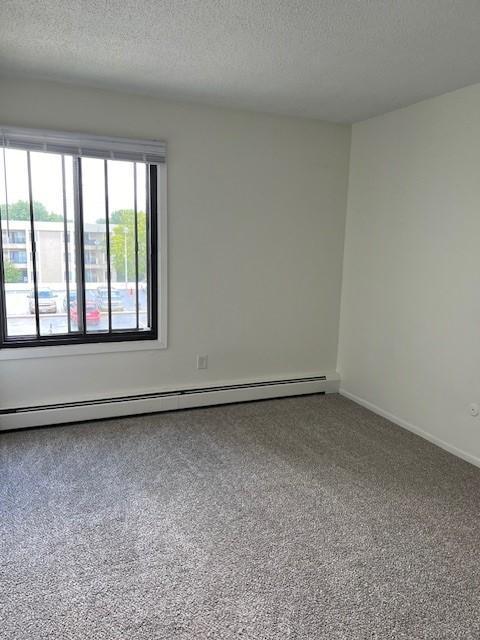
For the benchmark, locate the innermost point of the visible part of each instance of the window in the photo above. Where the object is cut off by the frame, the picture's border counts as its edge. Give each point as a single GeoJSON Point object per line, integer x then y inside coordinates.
{"type": "Point", "coordinates": [86, 207]}
{"type": "Point", "coordinates": [17, 257]}
{"type": "Point", "coordinates": [13, 237]}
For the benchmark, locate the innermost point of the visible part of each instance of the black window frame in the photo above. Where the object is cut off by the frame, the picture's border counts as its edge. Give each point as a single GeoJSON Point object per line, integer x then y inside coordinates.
{"type": "Point", "coordinates": [82, 336]}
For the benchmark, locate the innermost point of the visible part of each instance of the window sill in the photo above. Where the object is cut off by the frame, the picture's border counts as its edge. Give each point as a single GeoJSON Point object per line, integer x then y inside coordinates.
{"type": "Point", "coordinates": [23, 353]}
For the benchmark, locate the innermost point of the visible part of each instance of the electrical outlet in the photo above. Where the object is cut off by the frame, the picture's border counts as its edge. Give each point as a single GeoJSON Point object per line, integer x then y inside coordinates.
{"type": "Point", "coordinates": [202, 362]}
{"type": "Point", "coordinates": [474, 410]}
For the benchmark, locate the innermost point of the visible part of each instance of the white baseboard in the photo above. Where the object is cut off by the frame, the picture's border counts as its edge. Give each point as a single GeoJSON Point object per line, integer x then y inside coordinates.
{"type": "Point", "coordinates": [184, 398]}
{"type": "Point", "coordinates": [413, 428]}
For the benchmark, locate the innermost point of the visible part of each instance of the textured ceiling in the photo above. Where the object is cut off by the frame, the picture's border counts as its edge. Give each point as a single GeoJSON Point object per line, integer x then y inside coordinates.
{"type": "Point", "coordinates": [339, 60]}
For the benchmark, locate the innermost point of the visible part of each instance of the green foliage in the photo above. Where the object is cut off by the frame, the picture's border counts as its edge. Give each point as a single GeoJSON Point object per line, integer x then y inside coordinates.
{"type": "Point", "coordinates": [20, 210]}
{"type": "Point", "coordinates": [11, 273]}
{"type": "Point", "coordinates": [117, 217]}
{"type": "Point", "coordinates": [124, 220]}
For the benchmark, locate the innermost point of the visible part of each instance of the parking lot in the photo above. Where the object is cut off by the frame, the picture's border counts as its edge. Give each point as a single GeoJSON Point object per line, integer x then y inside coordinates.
{"type": "Point", "coordinates": [22, 322]}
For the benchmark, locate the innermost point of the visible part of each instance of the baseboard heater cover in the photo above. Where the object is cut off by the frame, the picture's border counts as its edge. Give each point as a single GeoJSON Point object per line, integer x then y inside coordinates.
{"type": "Point", "coordinates": [75, 411]}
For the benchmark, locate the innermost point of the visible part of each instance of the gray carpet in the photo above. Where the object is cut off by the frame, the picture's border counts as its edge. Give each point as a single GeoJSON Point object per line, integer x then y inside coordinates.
{"type": "Point", "coordinates": [287, 519]}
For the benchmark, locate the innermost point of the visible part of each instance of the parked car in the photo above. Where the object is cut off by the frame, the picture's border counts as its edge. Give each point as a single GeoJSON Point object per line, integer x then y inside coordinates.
{"type": "Point", "coordinates": [89, 297]}
{"type": "Point", "coordinates": [92, 313]}
{"type": "Point", "coordinates": [115, 297]}
{"type": "Point", "coordinates": [47, 301]}
{"type": "Point", "coordinates": [72, 299]}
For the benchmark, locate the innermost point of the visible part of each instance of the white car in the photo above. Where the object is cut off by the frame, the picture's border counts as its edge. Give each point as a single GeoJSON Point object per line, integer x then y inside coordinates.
{"type": "Point", "coordinates": [116, 299]}
{"type": "Point", "coordinates": [47, 301]}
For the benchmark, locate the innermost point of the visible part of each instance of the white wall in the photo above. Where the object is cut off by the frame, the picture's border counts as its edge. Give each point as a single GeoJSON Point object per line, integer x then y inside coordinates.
{"type": "Point", "coordinates": [410, 315]}
{"type": "Point", "coordinates": [256, 222]}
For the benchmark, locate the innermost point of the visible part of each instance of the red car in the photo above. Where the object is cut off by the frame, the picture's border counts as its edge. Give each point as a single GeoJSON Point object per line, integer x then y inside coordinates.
{"type": "Point", "coordinates": [92, 313]}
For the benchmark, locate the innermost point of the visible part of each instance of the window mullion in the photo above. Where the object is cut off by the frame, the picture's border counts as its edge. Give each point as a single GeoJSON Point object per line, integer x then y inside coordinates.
{"type": "Point", "coordinates": [79, 249]}
{"type": "Point", "coordinates": [33, 245]}
{"type": "Point", "coordinates": [3, 301]}
{"type": "Point", "coordinates": [136, 242]}
{"type": "Point", "coordinates": [149, 243]}
{"type": "Point", "coordinates": [65, 242]}
{"type": "Point", "coordinates": [107, 244]}
{"type": "Point", "coordinates": [152, 231]}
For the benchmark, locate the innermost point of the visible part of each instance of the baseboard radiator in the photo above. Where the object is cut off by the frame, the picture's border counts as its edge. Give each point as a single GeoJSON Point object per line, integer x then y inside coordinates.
{"type": "Point", "coordinates": [94, 409]}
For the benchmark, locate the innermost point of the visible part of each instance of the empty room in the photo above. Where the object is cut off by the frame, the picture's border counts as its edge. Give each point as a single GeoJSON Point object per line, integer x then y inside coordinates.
{"type": "Point", "coordinates": [240, 320]}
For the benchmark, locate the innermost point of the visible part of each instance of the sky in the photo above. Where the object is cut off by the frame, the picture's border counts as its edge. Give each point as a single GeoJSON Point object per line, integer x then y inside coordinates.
{"type": "Point", "coordinates": [47, 183]}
